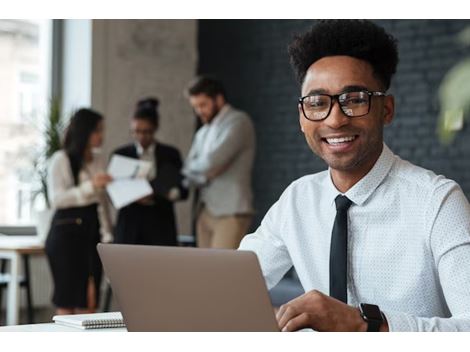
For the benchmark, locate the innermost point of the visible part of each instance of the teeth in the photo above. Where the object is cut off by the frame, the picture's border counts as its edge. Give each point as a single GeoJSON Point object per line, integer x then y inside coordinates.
{"type": "Point", "coordinates": [340, 140]}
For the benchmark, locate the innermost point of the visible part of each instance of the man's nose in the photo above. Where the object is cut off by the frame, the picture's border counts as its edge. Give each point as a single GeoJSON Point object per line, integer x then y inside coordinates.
{"type": "Point", "coordinates": [336, 119]}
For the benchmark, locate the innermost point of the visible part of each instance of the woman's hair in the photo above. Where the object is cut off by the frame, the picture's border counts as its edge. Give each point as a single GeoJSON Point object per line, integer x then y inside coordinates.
{"type": "Point", "coordinates": [82, 124]}
{"type": "Point", "coordinates": [361, 39]}
{"type": "Point", "coordinates": [147, 109]}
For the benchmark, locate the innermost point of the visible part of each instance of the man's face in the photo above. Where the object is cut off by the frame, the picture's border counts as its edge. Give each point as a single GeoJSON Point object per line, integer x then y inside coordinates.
{"type": "Point", "coordinates": [205, 107]}
{"type": "Point", "coordinates": [364, 135]}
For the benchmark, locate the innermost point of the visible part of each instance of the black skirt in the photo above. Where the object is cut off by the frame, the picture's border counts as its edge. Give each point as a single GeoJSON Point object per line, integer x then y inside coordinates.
{"type": "Point", "coordinates": [152, 225]}
{"type": "Point", "coordinates": [72, 255]}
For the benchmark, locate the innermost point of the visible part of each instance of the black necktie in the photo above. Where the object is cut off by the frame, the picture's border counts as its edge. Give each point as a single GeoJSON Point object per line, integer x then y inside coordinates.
{"type": "Point", "coordinates": [339, 250]}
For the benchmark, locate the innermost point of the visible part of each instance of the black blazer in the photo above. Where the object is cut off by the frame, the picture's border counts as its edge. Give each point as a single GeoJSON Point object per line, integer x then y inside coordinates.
{"type": "Point", "coordinates": [168, 164]}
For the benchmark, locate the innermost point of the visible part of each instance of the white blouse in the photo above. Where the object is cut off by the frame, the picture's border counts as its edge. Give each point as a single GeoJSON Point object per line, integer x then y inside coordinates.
{"type": "Point", "coordinates": [63, 193]}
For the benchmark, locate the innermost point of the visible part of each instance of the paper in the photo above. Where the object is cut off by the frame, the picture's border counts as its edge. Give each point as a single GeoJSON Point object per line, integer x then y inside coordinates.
{"type": "Point", "coordinates": [129, 180]}
{"type": "Point", "coordinates": [125, 167]}
{"type": "Point", "coordinates": [126, 191]}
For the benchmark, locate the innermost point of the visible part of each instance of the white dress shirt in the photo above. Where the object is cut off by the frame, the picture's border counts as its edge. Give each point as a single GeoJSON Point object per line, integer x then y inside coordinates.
{"type": "Point", "coordinates": [148, 155]}
{"type": "Point", "coordinates": [408, 243]}
{"type": "Point", "coordinates": [63, 193]}
{"type": "Point", "coordinates": [205, 142]}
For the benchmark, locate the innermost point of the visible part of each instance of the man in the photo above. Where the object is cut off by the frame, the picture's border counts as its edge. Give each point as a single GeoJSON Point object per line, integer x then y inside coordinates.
{"type": "Point", "coordinates": [220, 163]}
{"type": "Point", "coordinates": [378, 243]}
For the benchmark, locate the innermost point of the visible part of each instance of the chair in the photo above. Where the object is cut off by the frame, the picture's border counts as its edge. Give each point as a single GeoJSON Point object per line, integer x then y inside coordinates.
{"type": "Point", "coordinates": [287, 289]}
{"type": "Point", "coordinates": [24, 283]}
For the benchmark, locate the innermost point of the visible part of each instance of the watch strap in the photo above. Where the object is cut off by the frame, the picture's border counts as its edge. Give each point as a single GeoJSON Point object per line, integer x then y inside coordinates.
{"type": "Point", "coordinates": [373, 325]}
{"type": "Point", "coordinates": [372, 315]}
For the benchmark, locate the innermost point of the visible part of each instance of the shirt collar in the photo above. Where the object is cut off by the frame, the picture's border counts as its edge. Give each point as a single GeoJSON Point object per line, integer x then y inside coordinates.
{"type": "Point", "coordinates": [140, 150]}
{"type": "Point", "coordinates": [220, 115]}
{"type": "Point", "coordinates": [363, 189]}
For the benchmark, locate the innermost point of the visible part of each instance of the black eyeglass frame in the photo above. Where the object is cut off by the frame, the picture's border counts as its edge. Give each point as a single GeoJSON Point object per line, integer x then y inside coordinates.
{"type": "Point", "coordinates": [336, 97]}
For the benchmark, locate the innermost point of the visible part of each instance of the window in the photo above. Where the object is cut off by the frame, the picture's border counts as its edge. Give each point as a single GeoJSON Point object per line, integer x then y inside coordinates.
{"type": "Point", "coordinates": [25, 56]}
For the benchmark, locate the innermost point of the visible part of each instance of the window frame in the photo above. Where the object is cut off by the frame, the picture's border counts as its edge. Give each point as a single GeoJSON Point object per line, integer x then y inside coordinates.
{"type": "Point", "coordinates": [55, 89]}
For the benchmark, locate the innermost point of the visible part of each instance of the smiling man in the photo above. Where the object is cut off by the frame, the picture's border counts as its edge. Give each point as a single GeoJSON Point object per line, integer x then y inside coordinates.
{"type": "Point", "coordinates": [379, 244]}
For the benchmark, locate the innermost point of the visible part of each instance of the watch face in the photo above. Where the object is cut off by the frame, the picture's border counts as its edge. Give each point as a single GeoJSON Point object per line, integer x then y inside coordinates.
{"type": "Point", "coordinates": [371, 312]}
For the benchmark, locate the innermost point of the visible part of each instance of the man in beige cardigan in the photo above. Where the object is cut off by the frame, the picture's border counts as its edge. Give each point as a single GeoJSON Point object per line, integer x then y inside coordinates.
{"type": "Point", "coordinates": [220, 163]}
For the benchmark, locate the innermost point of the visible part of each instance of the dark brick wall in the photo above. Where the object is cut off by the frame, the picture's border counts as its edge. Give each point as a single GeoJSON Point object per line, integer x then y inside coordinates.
{"type": "Point", "coordinates": [250, 57]}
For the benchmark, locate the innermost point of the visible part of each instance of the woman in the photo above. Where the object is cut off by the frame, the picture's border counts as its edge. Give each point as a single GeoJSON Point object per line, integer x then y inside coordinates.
{"type": "Point", "coordinates": [76, 182]}
{"type": "Point", "coordinates": [151, 220]}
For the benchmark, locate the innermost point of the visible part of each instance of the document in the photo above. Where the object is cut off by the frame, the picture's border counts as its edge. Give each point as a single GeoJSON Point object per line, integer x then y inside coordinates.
{"type": "Point", "coordinates": [129, 180]}
{"type": "Point", "coordinates": [125, 167]}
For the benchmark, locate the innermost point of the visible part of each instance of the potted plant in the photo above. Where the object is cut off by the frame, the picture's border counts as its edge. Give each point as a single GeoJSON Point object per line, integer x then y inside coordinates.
{"type": "Point", "coordinates": [51, 132]}
{"type": "Point", "coordinates": [454, 96]}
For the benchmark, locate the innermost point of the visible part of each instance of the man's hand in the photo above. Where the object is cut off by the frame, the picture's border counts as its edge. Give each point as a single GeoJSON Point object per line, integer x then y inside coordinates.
{"type": "Point", "coordinates": [219, 170]}
{"type": "Point", "coordinates": [319, 312]}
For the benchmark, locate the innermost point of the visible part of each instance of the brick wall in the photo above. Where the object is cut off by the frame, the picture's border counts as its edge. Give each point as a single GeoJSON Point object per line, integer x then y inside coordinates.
{"type": "Point", "coordinates": [250, 56]}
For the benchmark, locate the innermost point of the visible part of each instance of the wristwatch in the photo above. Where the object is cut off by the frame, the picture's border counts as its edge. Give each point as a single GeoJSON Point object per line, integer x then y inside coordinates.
{"type": "Point", "coordinates": [372, 316]}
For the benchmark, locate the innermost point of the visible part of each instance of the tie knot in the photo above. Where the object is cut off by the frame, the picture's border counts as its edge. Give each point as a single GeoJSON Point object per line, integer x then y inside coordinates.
{"type": "Point", "coordinates": [342, 203]}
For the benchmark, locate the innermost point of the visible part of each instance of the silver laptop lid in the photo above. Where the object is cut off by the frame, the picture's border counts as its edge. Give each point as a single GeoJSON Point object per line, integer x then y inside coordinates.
{"type": "Point", "coordinates": [188, 289]}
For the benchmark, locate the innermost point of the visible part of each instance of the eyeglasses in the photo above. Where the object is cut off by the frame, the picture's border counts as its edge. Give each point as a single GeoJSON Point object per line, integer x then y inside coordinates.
{"type": "Point", "coordinates": [316, 107]}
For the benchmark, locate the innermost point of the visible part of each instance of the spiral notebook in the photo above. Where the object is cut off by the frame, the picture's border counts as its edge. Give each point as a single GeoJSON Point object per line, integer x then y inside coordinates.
{"type": "Point", "coordinates": [91, 321]}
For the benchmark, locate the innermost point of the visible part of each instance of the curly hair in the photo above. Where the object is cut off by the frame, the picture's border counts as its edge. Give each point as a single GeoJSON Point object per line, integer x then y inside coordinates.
{"type": "Point", "coordinates": [361, 39]}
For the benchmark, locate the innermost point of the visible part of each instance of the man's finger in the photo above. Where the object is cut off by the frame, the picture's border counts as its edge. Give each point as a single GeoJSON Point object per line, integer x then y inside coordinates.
{"type": "Point", "coordinates": [298, 322]}
{"type": "Point", "coordinates": [288, 314]}
{"type": "Point", "coordinates": [280, 312]}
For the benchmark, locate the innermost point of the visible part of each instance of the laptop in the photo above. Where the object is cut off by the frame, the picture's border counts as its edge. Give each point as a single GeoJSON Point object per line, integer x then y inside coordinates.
{"type": "Point", "coordinates": [188, 289]}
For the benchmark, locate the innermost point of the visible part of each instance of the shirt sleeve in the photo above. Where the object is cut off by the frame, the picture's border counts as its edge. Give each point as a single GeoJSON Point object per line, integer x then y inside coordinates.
{"type": "Point", "coordinates": [267, 244]}
{"type": "Point", "coordinates": [193, 178]}
{"type": "Point", "coordinates": [61, 189]}
{"type": "Point", "coordinates": [449, 222]}
{"type": "Point", "coordinates": [225, 147]}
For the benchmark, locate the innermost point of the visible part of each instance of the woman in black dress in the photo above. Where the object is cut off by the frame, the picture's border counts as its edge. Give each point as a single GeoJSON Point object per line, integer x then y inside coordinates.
{"type": "Point", "coordinates": [76, 181]}
{"type": "Point", "coordinates": [151, 220]}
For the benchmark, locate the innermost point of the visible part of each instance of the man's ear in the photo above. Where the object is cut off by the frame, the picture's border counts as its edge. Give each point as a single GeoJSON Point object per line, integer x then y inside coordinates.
{"type": "Point", "coordinates": [300, 117]}
{"type": "Point", "coordinates": [389, 109]}
{"type": "Point", "coordinates": [220, 100]}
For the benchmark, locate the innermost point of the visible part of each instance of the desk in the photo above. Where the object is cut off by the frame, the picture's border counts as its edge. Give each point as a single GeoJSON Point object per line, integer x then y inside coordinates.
{"type": "Point", "coordinates": [11, 248]}
{"type": "Point", "coordinates": [52, 327]}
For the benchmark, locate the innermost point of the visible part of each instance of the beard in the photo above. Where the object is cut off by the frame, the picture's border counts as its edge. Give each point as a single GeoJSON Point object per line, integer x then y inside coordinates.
{"type": "Point", "coordinates": [211, 115]}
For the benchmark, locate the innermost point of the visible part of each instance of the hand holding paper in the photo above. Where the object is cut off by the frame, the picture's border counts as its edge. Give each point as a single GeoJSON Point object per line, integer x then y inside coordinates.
{"type": "Point", "coordinates": [129, 180]}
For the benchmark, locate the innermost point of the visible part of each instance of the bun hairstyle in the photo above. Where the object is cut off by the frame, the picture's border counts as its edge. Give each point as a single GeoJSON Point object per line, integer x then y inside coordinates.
{"type": "Point", "coordinates": [147, 109]}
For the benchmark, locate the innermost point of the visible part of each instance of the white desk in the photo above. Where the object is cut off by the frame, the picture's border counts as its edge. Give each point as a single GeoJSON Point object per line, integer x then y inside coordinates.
{"type": "Point", "coordinates": [12, 247]}
{"type": "Point", "coordinates": [52, 327]}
